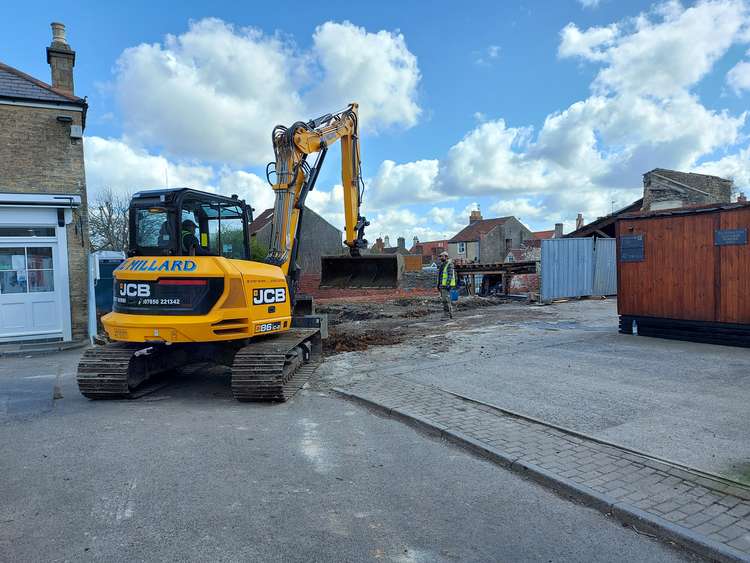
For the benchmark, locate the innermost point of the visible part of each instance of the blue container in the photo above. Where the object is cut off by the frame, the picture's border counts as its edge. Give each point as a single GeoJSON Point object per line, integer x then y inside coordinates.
{"type": "Point", "coordinates": [454, 295]}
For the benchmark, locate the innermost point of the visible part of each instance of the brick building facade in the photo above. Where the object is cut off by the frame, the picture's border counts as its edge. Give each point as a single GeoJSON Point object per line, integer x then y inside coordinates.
{"type": "Point", "coordinates": [44, 242]}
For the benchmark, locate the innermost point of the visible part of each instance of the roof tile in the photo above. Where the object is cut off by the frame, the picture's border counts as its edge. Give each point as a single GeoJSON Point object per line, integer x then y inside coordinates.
{"type": "Point", "coordinates": [16, 84]}
{"type": "Point", "coordinates": [477, 229]}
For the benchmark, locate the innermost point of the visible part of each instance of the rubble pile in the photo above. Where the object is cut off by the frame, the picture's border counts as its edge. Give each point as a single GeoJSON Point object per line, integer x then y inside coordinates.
{"type": "Point", "coordinates": [423, 279]}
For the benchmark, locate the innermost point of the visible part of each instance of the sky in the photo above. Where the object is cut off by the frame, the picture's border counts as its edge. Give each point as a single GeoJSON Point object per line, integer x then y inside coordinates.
{"type": "Point", "coordinates": [541, 110]}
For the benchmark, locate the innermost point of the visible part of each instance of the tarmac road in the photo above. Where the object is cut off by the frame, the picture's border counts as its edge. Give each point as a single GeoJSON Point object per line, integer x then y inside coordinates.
{"type": "Point", "coordinates": [189, 474]}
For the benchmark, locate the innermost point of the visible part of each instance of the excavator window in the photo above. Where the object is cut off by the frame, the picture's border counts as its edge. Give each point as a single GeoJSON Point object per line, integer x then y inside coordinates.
{"type": "Point", "coordinates": [153, 227]}
{"type": "Point", "coordinates": [221, 226]}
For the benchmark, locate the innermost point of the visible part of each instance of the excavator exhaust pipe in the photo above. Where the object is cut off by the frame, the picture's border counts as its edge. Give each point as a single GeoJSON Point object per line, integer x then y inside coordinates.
{"type": "Point", "coordinates": [364, 272]}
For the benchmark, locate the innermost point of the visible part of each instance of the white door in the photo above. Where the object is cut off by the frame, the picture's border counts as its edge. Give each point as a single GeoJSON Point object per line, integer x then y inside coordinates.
{"type": "Point", "coordinates": [30, 290]}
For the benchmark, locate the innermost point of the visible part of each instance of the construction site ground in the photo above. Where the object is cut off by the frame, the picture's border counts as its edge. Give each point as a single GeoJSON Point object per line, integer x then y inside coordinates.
{"type": "Point", "coordinates": [188, 473]}
{"type": "Point", "coordinates": [564, 363]}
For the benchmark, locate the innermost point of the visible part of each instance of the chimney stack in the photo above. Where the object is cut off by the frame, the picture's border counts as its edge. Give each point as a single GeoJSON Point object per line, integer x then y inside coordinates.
{"type": "Point", "coordinates": [475, 216]}
{"type": "Point", "coordinates": [416, 241]}
{"type": "Point", "coordinates": [558, 230]}
{"type": "Point", "coordinates": [579, 221]}
{"type": "Point", "coordinates": [401, 243]}
{"type": "Point", "coordinates": [741, 198]}
{"type": "Point", "coordinates": [387, 242]}
{"type": "Point", "coordinates": [61, 59]}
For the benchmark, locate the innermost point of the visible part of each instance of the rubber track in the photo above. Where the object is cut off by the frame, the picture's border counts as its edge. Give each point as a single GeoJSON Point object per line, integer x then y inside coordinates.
{"type": "Point", "coordinates": [258, 368]}
{"type": "Point", "coordinates": [103, 371]}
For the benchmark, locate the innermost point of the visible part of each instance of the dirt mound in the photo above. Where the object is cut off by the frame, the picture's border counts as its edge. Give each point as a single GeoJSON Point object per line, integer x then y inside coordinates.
{"type": "Point", "coordinates": [345, 341]}
{"type": "Point", "coordinates": [416, 313]}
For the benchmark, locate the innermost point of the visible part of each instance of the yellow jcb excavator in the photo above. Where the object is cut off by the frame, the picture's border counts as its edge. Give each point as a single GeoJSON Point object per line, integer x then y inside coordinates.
{"type": "Point", "coordinates": [190, 293]}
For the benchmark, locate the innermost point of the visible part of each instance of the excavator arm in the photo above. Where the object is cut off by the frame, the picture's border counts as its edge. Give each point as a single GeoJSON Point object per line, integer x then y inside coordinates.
{"type": "Point", "coordinates": [295, 177]}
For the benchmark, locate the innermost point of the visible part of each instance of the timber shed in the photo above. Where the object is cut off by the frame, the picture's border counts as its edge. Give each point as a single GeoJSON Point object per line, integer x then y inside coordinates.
{"type": "Point", "coordinates": [685, 273]}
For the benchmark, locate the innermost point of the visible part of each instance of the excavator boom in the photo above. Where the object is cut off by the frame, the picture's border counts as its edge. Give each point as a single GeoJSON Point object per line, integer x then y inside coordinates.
{"type": "Point", "coordinates": [295, 177]}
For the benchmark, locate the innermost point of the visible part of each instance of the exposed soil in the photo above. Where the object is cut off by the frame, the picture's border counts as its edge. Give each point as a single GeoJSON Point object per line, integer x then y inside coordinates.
{"type": "Point", "coordinates": [344, 341]}
{"type": "Point", "coordinates": [358, 325]}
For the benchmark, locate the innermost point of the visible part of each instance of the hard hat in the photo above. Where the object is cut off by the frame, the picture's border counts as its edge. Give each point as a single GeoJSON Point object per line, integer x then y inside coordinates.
{"type": "Point", "coordinates": [188, 223]}
{"type": "Point", "coordinates": [443, 253]}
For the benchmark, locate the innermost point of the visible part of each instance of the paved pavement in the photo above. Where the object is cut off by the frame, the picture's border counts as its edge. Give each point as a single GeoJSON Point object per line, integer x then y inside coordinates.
{"type": "Point", "coordinates": [703, 512]}
{"type": "Point", "coordinates": [567, 364]}
{"type": "Point", "coordinates": [189, 474]}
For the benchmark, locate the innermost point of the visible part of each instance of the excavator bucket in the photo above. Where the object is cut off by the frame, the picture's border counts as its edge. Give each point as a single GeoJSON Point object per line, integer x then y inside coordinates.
{"type": "Point", "coordinates": [370, 271]}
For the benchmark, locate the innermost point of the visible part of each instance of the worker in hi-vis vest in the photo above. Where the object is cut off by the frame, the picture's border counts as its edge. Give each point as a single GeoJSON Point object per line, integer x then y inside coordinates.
{"type": "Point", "coordinates": [446, 280]}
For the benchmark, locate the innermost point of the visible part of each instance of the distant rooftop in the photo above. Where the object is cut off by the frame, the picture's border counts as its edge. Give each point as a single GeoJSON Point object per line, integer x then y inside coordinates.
{"type": "Point", "coordinates": [475, 230]}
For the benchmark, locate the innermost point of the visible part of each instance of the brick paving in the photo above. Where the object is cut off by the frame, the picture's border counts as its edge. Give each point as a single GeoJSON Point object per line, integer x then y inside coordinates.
{"type": "Point", "coordinates": [712, 508]}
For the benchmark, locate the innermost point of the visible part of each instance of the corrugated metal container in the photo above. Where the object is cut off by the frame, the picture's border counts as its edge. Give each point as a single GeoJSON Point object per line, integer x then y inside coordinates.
{"type": "Point", "coordinates": [685, 273]}
{"type": "Point", "coordinates": [567, 268]}
{"type": "Point", "coordinates": [605, 266]}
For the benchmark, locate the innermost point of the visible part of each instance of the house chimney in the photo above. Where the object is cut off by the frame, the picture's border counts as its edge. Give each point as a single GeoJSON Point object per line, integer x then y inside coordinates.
{"type": "Point", "coordinates": [558, 230]}
{"type": "Point", "coordinates": [475, 216]}
{"type": "Point", "coordinates": [741, 198]}
{"type": "Point", "coordinates": [61, 59]}
{"type": "Point", "coordinates": [387, 242]}
{"type": "Point", "coordinates": [401, 243]}
{"type": "Point", "coordinates": [579, 221]}
{"type": "Point", "coordinates": [416, 241]}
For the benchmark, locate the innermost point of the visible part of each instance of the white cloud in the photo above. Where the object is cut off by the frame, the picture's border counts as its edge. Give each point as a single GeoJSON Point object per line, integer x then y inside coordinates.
{"type": "Point", "coordinates": [671, 49]}
{"type": "Point", "coordinates": [522, 208]}
{"type": "Point", "coordinates": [736, 167]}
{"type": "Point", "coordinates": [449, 220]}
{"type": "Point", "coordinates": [589, 3]}
{"type": "Point", "coordinates": [375, 69]}
{"type": "Point", "coordinates": [590, 44]}
{"type": "Point", "coordinates": [411, 182]}
{"type": "Point", "coordinates": [328, 204]}
{"type": "Point", "coordinates": [403, 223]}
{"type": "Point", "coordinates": [216, 91]}
{"type": "Point", "coordinates": [491, 157]}
{"type": "Point", "coordinates": [738, 78]}
{"type": "Point", "coordinates": [248, 186]}
{"type": "Point", "coordinates": [112, 163]}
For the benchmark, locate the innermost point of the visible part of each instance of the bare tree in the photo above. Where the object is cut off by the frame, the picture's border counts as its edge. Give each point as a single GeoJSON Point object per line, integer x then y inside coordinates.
{"type": "Point", "coordinates": [108, 221]}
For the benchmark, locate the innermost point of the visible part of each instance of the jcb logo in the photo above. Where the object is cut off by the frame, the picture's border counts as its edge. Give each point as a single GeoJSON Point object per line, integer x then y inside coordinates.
{"type": "Point", "coordinates": [264, 296]}
{"type": "Point", "coordinates": [135, 290]}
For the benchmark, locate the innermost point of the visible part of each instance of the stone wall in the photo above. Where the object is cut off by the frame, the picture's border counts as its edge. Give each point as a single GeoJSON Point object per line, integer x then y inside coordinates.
{"type": "Point", "coordinates": [660, 192]}
{"type": "Point", "coordinates": [493, 248]}
{"type": "Point", "coordinates": [515, 230]}
{"type": "Point", "coordinates": [37, 155]}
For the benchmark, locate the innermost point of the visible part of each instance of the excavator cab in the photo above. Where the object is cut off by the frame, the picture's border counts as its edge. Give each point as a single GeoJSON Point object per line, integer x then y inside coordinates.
{"type": "Point", "coordinates": [185, 222]}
